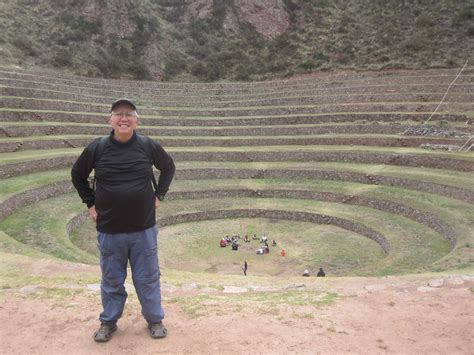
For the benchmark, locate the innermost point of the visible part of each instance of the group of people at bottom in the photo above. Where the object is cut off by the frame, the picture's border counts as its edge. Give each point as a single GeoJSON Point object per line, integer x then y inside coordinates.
{"type": "Point", "coordinates": [234, 241]}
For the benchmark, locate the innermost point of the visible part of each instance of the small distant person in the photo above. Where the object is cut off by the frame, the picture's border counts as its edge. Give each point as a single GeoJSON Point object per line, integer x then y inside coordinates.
{"type": "Point", "coordinates": [244, 268]}
{"type": "Point", "coordinates": [306, 273]}
{"type": "Point", "coordinates": [235, 245]}
{"type": "Point", "coordinates": [223, 243]}
{"type": "Point", "coordinates": [246, 239]}
{"type": "Point", "coordinates": [274, 243]}
{"type": "Point", "coordinates": [254, 237]}
{"type": "Point", "coordinates": [283, 252]}
{"type": "Point", "coordinates": [320, 273]}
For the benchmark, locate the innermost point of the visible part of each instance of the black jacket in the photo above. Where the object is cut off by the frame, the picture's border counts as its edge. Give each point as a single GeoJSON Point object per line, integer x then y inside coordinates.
{"type": "Point", "coordinates": [124, 198]}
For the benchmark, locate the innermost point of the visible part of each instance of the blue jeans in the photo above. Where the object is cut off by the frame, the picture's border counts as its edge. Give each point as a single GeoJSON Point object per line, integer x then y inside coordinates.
{"type": "Point", "coordinates": [115, 251]}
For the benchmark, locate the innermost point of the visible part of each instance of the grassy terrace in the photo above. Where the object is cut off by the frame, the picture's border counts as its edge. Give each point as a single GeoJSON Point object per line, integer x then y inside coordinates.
{"type": "Point", "coordinates": [459, 88]}
{"type": "Point", "coordinates": [6, 158]}
{"type": "Point", "coordinates": [347, 99]}
{"type": "Point", "coordinates": [330, 77]}
{"type": "Point", "coordinates": [193, 113]}
{"type": "Point", "coordinates": [347, 118]}
{"type": "Point", "coordinates": [458, 179]}
{"type": "Point", "coordinates": [409, 240]}
{"type": "Point", "coordinates": [74, 136]}
{"type": "Point", "coordinates": [159, 100]}
{"type": "Point", "coordinates": [334, 107]}
{"type": "Point", "coordinates": [344, 78]}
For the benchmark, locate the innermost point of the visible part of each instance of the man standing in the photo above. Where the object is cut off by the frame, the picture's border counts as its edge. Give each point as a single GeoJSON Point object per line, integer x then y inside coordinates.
{"type": "Point", "coordinates": [123, 207]}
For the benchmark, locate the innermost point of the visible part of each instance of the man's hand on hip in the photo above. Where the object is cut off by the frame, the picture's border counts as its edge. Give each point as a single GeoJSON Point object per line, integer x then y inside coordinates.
{"type": "Point", "coordinates": [93, 214]}
{"type": "Point", "coordinates": [157, 202]}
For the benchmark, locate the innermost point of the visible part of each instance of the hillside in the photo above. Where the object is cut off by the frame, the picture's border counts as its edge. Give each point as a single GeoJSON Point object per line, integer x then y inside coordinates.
{"type": "Point", "coordinates": [233, 39]}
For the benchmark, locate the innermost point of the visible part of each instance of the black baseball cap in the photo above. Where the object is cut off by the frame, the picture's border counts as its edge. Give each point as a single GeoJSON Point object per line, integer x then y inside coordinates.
{"type": "Point", "coordinates": [123, 101]}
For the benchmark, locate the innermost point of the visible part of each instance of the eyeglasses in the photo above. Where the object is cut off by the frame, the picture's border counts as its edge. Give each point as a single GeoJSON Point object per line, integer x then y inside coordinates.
{"type": "Point", "coordinates": [129, 114]}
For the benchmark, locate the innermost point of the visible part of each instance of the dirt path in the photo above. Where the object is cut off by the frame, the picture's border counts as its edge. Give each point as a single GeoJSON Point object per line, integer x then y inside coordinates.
{"type": "Point", "coordinates": [371, 315]}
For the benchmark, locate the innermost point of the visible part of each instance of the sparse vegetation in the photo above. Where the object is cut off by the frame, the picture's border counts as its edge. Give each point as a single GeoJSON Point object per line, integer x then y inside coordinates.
{"type": "Point", "coordinates": [145, 42]}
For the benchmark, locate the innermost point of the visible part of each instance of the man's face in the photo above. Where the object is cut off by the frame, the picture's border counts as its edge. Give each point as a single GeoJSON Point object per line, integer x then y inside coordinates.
{"type": "Point", "coordinates": [124, 120]}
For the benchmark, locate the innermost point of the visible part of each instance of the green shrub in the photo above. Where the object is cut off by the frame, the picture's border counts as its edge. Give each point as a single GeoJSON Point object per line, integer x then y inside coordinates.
{"type": "Point", "coordinates": [62, 57]}
{"type": "Point", "coordinates": [25, 45]}
{"type": "Point", "coordinates": [174, 65]}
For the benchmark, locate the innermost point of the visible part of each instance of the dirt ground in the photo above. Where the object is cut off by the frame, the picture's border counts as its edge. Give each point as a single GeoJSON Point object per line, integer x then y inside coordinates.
{"type": "Point", "coordinates": [370, 315]}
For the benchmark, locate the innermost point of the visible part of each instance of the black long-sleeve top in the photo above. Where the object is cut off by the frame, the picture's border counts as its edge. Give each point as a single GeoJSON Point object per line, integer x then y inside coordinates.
{"type": "Point", "coordinates": [124, 198]}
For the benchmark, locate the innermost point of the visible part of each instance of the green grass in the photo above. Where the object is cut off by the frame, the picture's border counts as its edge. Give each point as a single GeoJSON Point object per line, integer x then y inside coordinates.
{"type": "Point", "coordinates": [6, 158]}
{"type": "Point", "coordinates": [454, 212]}
{"type": "Point", "coordinates": [447, 177]}
{"type": "Point", "coordinates": [308, 246]}
{"type": "Point", "coordinates": [216, 138]}
{"type": "Point", "coordinates": [414, 246]}
{"type": "Point", "coordinates": [42, 226]}
{"type": "Point", "coordinates": [23, 183]}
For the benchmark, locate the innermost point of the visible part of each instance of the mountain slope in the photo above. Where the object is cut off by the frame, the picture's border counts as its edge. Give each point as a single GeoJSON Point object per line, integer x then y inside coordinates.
{"type": "Point", "coordinates": [206, 40]}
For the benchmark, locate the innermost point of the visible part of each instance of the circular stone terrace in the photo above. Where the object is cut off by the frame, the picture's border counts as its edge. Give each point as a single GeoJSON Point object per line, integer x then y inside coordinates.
{"type": "Point", "coordinates": [350, 172]}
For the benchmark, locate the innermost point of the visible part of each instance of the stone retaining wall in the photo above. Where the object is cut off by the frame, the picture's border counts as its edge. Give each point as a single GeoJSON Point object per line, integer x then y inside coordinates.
{"type": "Point", "coordinates": [14, 146]}
{"type": "Point", "coordinates": [373, 128]}
{"type": "Point", "coordinates": [290, 98]}
{"type": "Point", "coordinates": [278, 214]}
{"type": "Point", "coordinates": [393, 118]}
{"type": "Point", "coordinates": [417, 215]}
{"type": "Point", "coordinates": [31, 104]}
{"type": "Point", "coordinates": [326, 81]}
{"type": "Point", "coordinates": [33, 166]}
{"type": "Point", "coordinates": [34, 195]}
{"type": "Point", "coordinates": [29, 197]}
{"type": "Point", "coordinates": [320, 77]}
{"type": "Point", "coordinates": [30, 166]}
{"type": "Point", "coordinates": [76, 222]}
{"type": "Point", "coordinates": [227, 94]}
{"type": "Point", "coordinates": [436, 162]}
{"type": "Point", "coordinates": [295, 174]}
